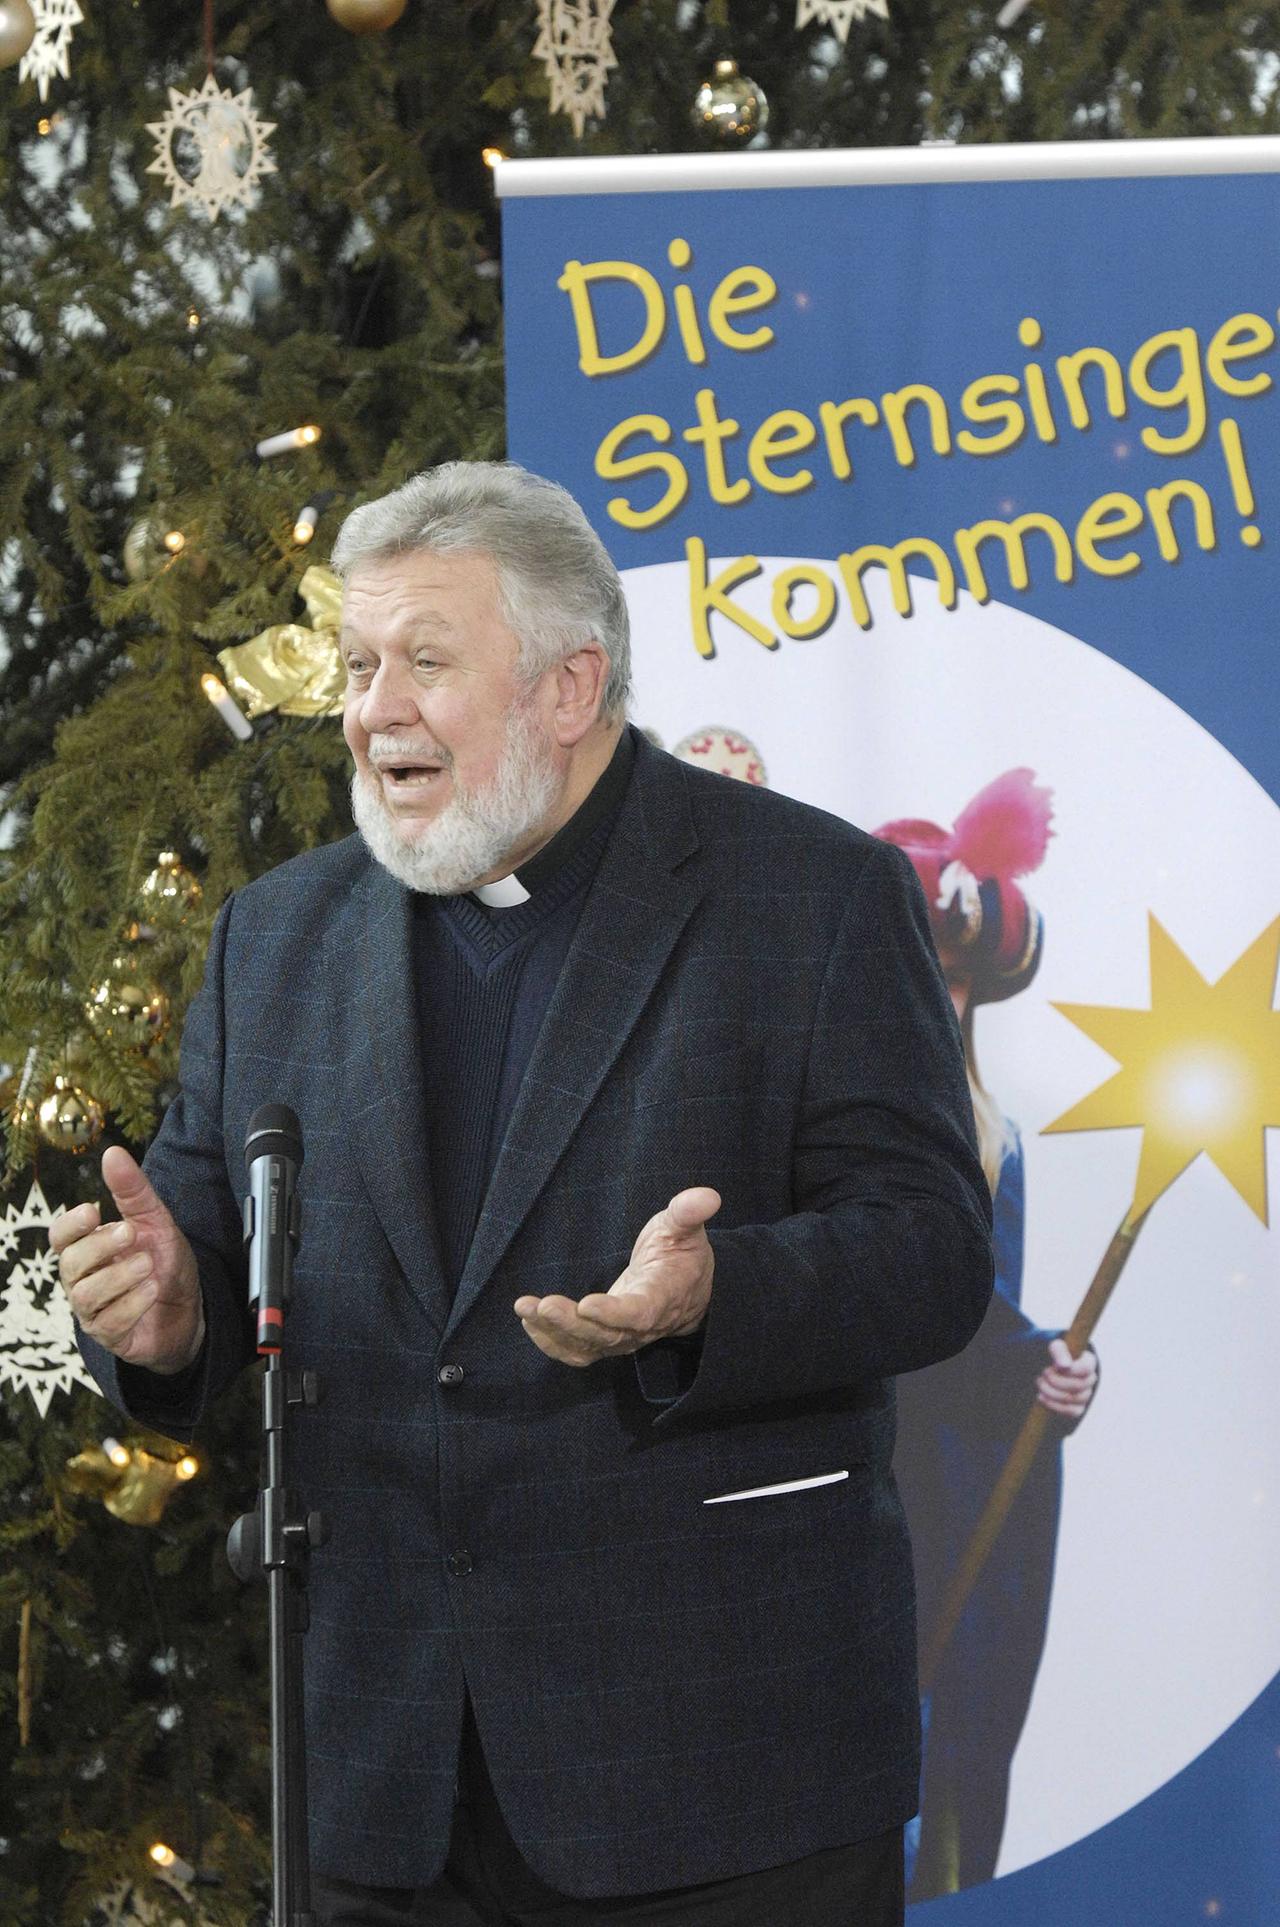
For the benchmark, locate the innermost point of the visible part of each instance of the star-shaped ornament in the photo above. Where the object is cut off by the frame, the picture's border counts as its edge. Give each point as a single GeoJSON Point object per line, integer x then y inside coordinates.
{"type": "Point", "coordinates": [1200, 1070]}
{"type": "Point", "coordinates": [575, 45]}
{"type": "Point", "coordinates": [211, 148]}
{"type": "Point", "coordinates": [50, 51]}
{"type": "Point", "coordinates": [839, 15]}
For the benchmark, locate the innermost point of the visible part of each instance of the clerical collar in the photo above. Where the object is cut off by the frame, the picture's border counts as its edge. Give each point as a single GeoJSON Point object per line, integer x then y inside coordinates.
{"type": "Point", "coordinates": [597, 806]}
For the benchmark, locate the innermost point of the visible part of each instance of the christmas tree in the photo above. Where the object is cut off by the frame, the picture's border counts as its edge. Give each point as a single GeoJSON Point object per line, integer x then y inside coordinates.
{"type": "Point", "coordinates": [335, 295]}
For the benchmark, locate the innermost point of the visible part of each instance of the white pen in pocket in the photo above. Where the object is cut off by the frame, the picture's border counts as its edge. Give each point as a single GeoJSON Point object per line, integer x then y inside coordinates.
{"type": "Point", "coordinates": [770, 1491]}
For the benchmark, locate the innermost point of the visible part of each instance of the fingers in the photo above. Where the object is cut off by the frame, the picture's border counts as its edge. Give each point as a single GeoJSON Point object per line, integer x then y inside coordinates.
{"type": "Point", "coordinates": [628, 1312]}
{"type": "Point", "coordinates": [109, 1304]}
{"type": "Point", "coordinates": [1066, 1371]}
{"type": "Point", "coordinates": [128, 1184]}
{"type": "Point", "coordinates": [1066, 1387]}
{"type": "Point", "coordinates": [95, 1250]}
{"type": "Point", "coordinates": [70, 1225]}
{"type": "Point", "coordinates": [557, 1328]}
{"type": "Point", "coordinates": [689, 1210]}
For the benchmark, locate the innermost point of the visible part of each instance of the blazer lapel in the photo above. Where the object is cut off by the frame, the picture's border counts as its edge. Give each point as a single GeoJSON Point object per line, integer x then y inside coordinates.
{"type": "Point", "coordinates": [636, 908]}
{"type": "Point", "coordinates": [384, 1099]}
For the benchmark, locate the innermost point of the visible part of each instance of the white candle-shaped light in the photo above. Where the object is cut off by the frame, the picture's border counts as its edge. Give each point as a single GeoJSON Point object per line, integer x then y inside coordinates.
{"type": "Point", "coordinates": [117, 1453]}
{"type": "Point", "coordinates": [231, 713]}
{"type": "Point", "coordinates": [292, 438]}
{"type": "Point", "coordinates": [1009, 12]}
{"type": "Point", "coordinates": [305, 526]}
{"type": "Point", "coordinates": [169, 1861]}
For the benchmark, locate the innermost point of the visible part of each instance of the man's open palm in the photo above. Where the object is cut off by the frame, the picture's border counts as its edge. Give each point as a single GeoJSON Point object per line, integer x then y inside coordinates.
{"type": "Point", "coordinates": [663, 1293]}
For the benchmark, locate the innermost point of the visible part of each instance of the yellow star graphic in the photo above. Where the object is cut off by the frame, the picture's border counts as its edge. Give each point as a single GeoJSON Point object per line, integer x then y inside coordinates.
{"type": "Point", "coordinates": [1200, 1070]}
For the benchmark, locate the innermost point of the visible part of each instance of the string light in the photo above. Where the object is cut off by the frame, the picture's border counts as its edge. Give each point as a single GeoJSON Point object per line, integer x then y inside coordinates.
{"type": "Point", "coordinates": [44, 125]}
{"type": "Point", "coordinates": [175, 541]}
{"type": "Point", "coordinates": [193, 320]}
{"type": "Point", "coordinates": [117, 1453]}
{"type": "Point", "coordinates": [234, 718]}
{"type": "Point", "coordinates": [492, 155]}
{"type": "Point", "coordinates": [305, 526]}
{"type": "Point", "coordinates": [187, 1467]}
{"type": "Point", "coordinates": [170, 1862]}
{"type": "Point", "coordinates": [284, 444]}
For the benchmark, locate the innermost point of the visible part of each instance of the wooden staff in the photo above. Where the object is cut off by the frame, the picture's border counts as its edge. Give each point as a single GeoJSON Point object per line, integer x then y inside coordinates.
{"type": "Point", "coordinates": [1022, 1457]}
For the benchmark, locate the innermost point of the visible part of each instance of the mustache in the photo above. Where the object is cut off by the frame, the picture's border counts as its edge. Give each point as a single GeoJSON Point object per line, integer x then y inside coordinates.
{"type": "Point", "coordinates": [394, 749]}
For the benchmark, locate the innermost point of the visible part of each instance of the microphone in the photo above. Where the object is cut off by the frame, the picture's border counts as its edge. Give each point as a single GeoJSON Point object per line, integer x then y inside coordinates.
{"type": "Point", "coordinates": [272, 1216]}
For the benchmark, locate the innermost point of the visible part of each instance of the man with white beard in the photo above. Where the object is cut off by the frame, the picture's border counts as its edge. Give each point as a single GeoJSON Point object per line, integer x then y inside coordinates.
{"type": "Point", "coordinates": [634, 1641]}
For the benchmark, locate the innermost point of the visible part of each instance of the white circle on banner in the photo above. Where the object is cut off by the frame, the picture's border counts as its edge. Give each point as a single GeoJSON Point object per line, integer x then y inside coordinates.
{"type": "Point", "coordinates": [1163, 1622]}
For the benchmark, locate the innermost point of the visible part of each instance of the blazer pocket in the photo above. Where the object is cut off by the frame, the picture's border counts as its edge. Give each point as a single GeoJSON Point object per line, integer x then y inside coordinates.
{"type": "Point", "coordinates": [774, 1491]}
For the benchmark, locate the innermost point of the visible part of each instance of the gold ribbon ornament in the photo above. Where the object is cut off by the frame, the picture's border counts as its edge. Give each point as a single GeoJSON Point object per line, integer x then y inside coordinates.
{"type": "Point", "coordinates": [291, 667]}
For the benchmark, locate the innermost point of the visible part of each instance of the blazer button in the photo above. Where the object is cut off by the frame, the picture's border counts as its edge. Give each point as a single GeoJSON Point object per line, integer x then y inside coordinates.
{"type": "Point", "coordinates": [459, 1564]}
{"type": "Point", "coordinates": [451, 1375]}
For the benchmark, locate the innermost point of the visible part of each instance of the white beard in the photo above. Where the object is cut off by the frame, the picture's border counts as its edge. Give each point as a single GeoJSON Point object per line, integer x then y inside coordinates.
{"type": "Point", "coordinates": [476, 831]}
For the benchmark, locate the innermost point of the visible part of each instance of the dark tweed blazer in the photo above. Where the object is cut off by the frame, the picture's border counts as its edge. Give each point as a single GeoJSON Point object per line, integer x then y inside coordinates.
{"type": "Point", "coordinates": [669, 1691]}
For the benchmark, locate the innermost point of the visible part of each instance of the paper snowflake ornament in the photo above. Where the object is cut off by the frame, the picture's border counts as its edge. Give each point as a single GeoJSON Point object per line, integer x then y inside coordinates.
{"type": "Point", "coordinates": [50, 51]}
{"type": "Point", "coordinates": [37, 1335]}
{"type": "Point", "coordinates": [129, 1904]}
{"type": "Point", "coordinates": [839, 15]}
{"type": "Point", "coordinates": [211, 147]}
{"type": "Point", "coordinates": [575, 45]}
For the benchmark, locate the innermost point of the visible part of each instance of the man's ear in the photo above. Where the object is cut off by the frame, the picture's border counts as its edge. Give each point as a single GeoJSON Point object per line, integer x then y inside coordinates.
{"type": "Point", "coordinates": [579, 691]}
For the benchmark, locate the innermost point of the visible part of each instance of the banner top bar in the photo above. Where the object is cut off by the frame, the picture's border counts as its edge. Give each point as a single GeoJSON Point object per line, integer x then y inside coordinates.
{"type": "Point", "coordinates": [889, 166]}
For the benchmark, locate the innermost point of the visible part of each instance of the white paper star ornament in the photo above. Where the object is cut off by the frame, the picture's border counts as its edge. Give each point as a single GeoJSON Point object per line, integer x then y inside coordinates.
{"type": "Point", "coordinates": [50, 51]}
{"type": "Point", "coordinates": [211, 148]}
{"type": "Point", "coordinates": [575, 45]}
{"type": "Point", "coordinates": [37, 1333]}
{"type": "Point", "coordinates": [839, 15]}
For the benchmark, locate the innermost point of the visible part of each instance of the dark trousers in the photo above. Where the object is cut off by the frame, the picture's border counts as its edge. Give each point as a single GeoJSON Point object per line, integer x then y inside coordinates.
{"type": "Point", "coordinates": [488, 1883]}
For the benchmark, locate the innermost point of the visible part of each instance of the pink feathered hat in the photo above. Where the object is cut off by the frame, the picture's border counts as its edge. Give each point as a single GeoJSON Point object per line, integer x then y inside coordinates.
{"type": "Point", "coordinates": [969, 875]}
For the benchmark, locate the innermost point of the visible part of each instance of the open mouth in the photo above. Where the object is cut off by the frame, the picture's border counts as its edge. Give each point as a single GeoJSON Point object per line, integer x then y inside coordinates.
{"type": "Point", "coordinates": [409, 776]}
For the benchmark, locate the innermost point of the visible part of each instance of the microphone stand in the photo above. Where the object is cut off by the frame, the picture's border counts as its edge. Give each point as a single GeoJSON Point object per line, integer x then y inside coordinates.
{"type": "Point", "coordinates": [275, 1539]}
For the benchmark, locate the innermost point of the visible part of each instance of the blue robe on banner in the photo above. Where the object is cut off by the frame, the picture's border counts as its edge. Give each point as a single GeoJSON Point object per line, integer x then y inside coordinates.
{"type": "Point", "coordinates": [957, 1423]}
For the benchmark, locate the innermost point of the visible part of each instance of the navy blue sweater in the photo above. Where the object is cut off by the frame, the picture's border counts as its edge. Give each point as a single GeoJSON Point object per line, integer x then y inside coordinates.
{"type": "Point", "coordinates": [484, 978]}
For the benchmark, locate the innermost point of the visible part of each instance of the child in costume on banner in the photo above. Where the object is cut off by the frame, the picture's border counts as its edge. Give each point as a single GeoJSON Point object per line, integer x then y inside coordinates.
{"type": "Point", "coordinates": [958, 1420]}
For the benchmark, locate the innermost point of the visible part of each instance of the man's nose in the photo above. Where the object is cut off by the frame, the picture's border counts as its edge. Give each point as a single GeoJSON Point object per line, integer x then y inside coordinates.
{"type": "Point", "coordinates": [389, 700]}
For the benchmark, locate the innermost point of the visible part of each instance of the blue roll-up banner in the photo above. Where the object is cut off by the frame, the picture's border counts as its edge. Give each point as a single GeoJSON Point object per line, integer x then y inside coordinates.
{"type": "Point", "coordinates": [946, 490]}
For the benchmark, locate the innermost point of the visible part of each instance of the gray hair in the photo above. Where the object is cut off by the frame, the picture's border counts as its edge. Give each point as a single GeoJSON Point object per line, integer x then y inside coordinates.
{"type": "Point", "coordinates": [557, 585]}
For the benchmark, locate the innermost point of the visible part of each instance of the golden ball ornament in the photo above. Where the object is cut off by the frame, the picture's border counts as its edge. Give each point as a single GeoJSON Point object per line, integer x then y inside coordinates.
{"type": "Point", "coordinates": [69, 1119]}
{"type": "Point", "coordinates": [124, 1008]}
{"type": "Point", "coordinates": [366, 16]}
{"type": "Point", "coordinates": [17, 31]}
{"type": "Point", "coordinates": [170, 892]}
{"type": "Point", "coordinates": [729, 108]}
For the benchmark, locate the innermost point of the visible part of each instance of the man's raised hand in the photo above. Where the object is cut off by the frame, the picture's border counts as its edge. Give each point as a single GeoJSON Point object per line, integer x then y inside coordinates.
{"type": "Point", "coordinates": [663, 1293]}
{"type": "Point", "coordinates": [133, 1285]}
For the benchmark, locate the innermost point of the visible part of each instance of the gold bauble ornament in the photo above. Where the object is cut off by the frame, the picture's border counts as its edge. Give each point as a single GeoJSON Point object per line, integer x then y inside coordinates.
{"type": "Point", "coordinates": [69, 1118]}
{"type": "Point", "coordinates": [17, 31]}
{"type": "Point", "coordinates": [729, 107]}
{"type": "Point", "coordinates": [366, 16]}
{"type": "Point", "coordinates": [170, 892]}
{"type": "Point", "coordinates": [125, 1009]}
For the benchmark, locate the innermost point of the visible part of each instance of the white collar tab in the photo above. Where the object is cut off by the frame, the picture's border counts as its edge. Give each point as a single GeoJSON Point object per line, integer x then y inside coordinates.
{"type": "Point", "coordinates": [505, 894]}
